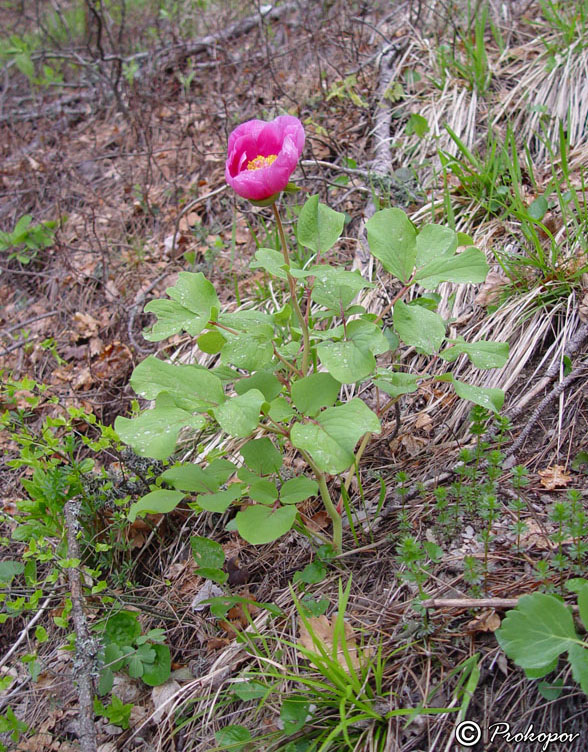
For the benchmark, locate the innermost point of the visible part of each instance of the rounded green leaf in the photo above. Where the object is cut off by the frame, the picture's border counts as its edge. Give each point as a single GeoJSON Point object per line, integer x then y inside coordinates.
{"type": "Point", "coordinates": [191, 387]}
{"type": "Point", "coordinates": [491, 399]}
{"type": "Point", "coordinates": [319, 226]}
{"type": "Point", "coordinates": [232, 737]}
{"type": "Point", "coordinates": [159, 671]}
{"type": "Point", "coordinates": [468, 266]}
{"type": "Point", "coordinates": [122, 628]}
{"type": "Point", "coordinates": [263, 491]}
{"type": "Point", "coordinates": [220, 501]}
{"type": "Point", "coordinates": [156, 502]}
{"type": "Point", "coordinates": [299, 489]}
{"type": "Point", "coordinates": [419, 327]}
{"type": "Point", "coordinates": [206, 552]}
{"type": "Point", "coordinates": [312, 392]}
{"type": "Point", "coordinates": [261, 456]}
{"type": "Point", "coordinates": [345, 361]}
{"type": "Point", "coordinates": [265, 381]}
{"type": "Point", "coordinates": [392, 240]}
{"type": "Point", "coordinates": [434, 241]}
{"type": "Point", "coordinates": [396, 383]}
{"type": "Point", "coordinates": [259, 524]}
{"type": "Point", "coordinates": [239, 416]}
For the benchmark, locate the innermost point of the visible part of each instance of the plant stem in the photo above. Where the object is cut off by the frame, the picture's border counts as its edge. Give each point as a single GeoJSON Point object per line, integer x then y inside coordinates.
{"type": "Point", "coordinates": [293, 296]}
{"type": "Point", "coordinates": [328, 502]}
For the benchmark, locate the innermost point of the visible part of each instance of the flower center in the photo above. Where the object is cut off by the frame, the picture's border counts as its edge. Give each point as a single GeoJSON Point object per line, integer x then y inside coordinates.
{"type": "Point", "coordinates": [259, 162]}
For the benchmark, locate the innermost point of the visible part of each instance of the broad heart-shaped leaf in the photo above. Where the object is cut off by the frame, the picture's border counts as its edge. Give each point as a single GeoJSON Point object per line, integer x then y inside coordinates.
{"type": "Point", "coordinates": [239, 415]}
{"type": "Point", "coordinates": [193, 303]}
{"type": "Point", "coordinates": [265, 381]}
{"type": "Point", "coordinates": [491, 399]}
{"type": "Point", "coordinates": [261, 456]}
{"type": "Point", "coordinates": [419, 327]}
{"type": "Point", "coordinates": [396, 383]}
{"type": "Point", "coordinates": [259, 524]}
{"type": "Point", "coordinates": [190, 477]}
{"type": "Point", "coordinates": [345, 361]}
{"type": "Point", "coordinates": [335, 288]}
{"type": "Point", "coordinates": [468, 266]}
{"type": "Point", "coordinates": [434, 241]}
{"type": "Point", "coordinates": [158, 672]}
{"type": "Point", "coordinates": [249, 351]}
{"type": "Point", "coordinates": [220, 501]}
{"type": "Point", "coordinates": [539, 630]}
{"type": "Point", "coordinates": [154, 433]}
{"type": "Point", "coordinates": [155, 502]}
{"type": "Point", "coordinates": [319, 227]}
{"type": "Point", "coordinates": [331, 438]}
{"type": "Point", "coordinates": [206, 552]}
{"type": "Point", "coordinates": [392, 240]}
{"type": "Point", "coordinates": [299, 489]}
{"type": "Point", "coordinates": [482, 354]}
{"type": "Point", "coordinates": [192, 387]}
{"type": "Point", "coordinates": [312, 392]}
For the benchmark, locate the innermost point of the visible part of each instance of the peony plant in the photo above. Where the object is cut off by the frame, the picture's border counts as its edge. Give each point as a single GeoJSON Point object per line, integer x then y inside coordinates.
{"type": "Point", "coordinates": [276, 386]}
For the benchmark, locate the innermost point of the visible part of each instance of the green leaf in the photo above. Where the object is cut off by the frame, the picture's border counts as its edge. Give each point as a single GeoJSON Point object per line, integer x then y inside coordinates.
{"type": "Point", "coordinates": [190, 477]}
{"type": "Point", "coordinates": [538, 208]}
{"type": "Point", "coordinates": [270, 260]}
{"type": "Point", "coordinates": [331, 438]}
{"type": "Point", "coordinates": [417, 124]}
{"type": "Point", "coordinates": [345, 361]}
{"type": "Point", "coordinates": [220, 471]}
{"type": "Point", "coordinates": [396, 383]}
{"type": "Point", "coordinates": [239, 416]}
{"type": "Point", "coordinates": [135, 667]}
{"type": "Point", "coordinates": [265, 381]}
{"type": "Point", "coordinates": [154, 433]}
{"type": "Point", "coordinates": [434, 241]}
{"type": "Point", "coordinates": [261, 456]}
{"type": "Point", "coordinates": [419, 327]}
{"type": "Point", "coordinates": [583, 603]}
{"type": "Point", "coordinates": [220, 501]}
{"type": "Point", "coordinates": [249, 690]}
{"type": "Point", "coordinates": [9, 570]}
{"type": "Point", "coordinates": [259, 524]}
{"type": "Point", "coordinates": [192, 387]}
{"type": "Point", "coordinates": [122, 629]}
{"type": "Point", "coordinates": [105, 682]}
{"type": "Point", "coordinates": [539, 630]}
{"type": "Point", "coordinates": [392, 240]}
{"type": "Point", "coordinates": [249, 351]}
{"type": "Point", "coordinates": [159, 671]}
{"type": "Point", "coordinates": [156, 502]}
{"type": "Point", "coordinates": [114, 656]}
{"type": "Point", "coordinates": [482, 354]}
{"type": "Point", "coordinates": [206, 552]}
{"type": "Point", "coordinates": [293, 715]}
{"type": "Point", "coordinates": [233, 737]}
{"type": "Point", "coordinates": [193, 304]}
{"type": "Point", "coordinates": [319, 227]}
{"type": "Point", "coordinates": [299, 489]}
{"type": "Point", "coordinates": [280, 410]}
{"type": "Point", "coordinates": [491, 399]}
{"type": "Point", "coordinates": [263, 491]}
{"type": "Point", "coordinates": [216, 575]}
{"type": "Point", "coordinates": [335, 288]}
{"type": "Point", "coordinates": [211, 342]}
{"type": "Point", "coordinates": [578, 658]}
{"type": "Point", "coordinates": [367, 336]}
{"type": "Point", "coordinates": [468, 266]}
{"type": "Point", "coordinates": [312, 573]}
{"type": "Point", "coordinates": [312, 392]}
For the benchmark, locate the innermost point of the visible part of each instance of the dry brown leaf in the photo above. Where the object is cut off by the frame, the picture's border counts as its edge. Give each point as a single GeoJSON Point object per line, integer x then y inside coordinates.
{"type": "Point", "coordinates": [323, 631]}
{"type": "Point", "coordinates": [487, 621]}
{"type": "Point", "coordinates": [489, 292]}
{"type": "Point", "coordinates": [424, 422]}
{"type": "Point", "coordinates": [86, 325]}
{"type": "Point", "coordinates": [38, 743]}
{"type": "Point", "coordinates": [554, 476]}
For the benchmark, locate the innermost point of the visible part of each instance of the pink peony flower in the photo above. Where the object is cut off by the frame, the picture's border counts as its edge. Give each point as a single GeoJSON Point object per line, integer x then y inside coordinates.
{"type": "Point", "coordinates": [262, 156]}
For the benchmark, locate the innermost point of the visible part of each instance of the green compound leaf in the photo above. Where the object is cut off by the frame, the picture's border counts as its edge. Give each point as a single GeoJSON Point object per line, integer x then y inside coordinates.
{"type": "Point", "coordinates": [265, 381]}
{"type": "Point", "coordinates": [233, 737]}
{"type": "Point", "coordinates": [206, 552]}
{"type": "Point", "coordinates": [135, 667]}
{"type": "Point", "coordinates": [319, 227]}
{"type": "Point", "coordinates": [154, 433]}
{"type": "Point", "coordinates": [396, 383]}
{"type": "Point", "coordinates": [159, 671]}
{"type": "Point", "coordinates": [192, 387]}
{"type": "Point", "coordinates": [220, 501]}
{"type": "Point", "coordinates": [434, 241]}
{"type": "Point", "coordinates": [156, 502]}
{"type": "Point", "coordinates": [392, 240]}
{"type": "Point", "coordinates": [491, 399]}
{"type": "Point", "coordinates": [260, 524]}
{"type": "Point", "coordinates": [482, 354]}
{"type": "Point", "coordinates": [331, 439]}
{"type": "Point", "coordinates": [193, 304]}
{"type": "Point", "coordinates": [419, 327]}
{"type": "Point", "coordinates": [299, 489]}
{"type": "Point", "coordinates": [539, 630]}
{"type": "Point", "coordinates": [238, 416]}
{"type": "Point", "coordinates": [468, 266]}
{"type": "Point", "coordinates": [345, 361]}
{"type": "Point", "coordinates": [312, 392]}
{"type": "Point", "coordinates": [122, 629]}
{"type": "Point", "coordinates": [261, 456]}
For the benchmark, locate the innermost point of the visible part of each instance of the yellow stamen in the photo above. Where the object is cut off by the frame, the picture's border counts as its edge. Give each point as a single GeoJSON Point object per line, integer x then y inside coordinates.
{"type": "Point", "coordinates": [259, 162]}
